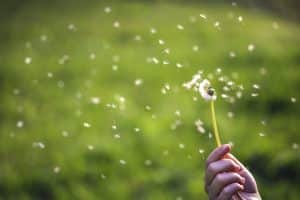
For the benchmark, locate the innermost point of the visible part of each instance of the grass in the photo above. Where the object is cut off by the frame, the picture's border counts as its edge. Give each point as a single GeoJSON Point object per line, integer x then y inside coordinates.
{"type": "Point", "coordinates": [156, 168]}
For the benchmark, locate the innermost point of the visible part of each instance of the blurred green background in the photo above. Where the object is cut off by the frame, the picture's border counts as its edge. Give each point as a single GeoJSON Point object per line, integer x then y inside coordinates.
{"type": "Point", "coordinates": [92, 104]}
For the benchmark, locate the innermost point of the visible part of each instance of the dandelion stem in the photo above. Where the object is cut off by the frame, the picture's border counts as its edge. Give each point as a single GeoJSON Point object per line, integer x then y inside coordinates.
{"type": "Point", "coordinates": [214, 121]}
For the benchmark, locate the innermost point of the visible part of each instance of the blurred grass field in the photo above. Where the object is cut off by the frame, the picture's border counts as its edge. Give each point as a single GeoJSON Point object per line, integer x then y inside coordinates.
{"type": "Point", "coordinates": [55, 58]}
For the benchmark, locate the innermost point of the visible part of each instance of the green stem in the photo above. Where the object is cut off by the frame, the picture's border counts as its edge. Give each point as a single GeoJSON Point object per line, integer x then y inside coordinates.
{"type": "Point", "coordinates": [214, 121]}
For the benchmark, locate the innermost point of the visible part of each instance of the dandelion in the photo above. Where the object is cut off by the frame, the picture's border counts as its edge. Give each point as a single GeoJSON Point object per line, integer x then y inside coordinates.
{"type": "Point", "coordinates": [209, 94]}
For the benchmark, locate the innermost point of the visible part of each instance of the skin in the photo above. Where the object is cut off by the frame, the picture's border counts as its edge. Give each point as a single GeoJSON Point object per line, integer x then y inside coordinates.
{"type": "Point", "coordinates": [226, 178]}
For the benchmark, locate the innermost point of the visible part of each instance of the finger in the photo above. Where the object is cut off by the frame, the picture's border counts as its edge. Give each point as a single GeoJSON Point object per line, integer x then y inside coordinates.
{"type": "Point", "coordinates": [229, 191]}
{"type": "Point", "coordinates": [219, 166]}
{"type": "Point", "coordinates": [223, 179]}
{"type": "Point", "coordinates": [218, 153]}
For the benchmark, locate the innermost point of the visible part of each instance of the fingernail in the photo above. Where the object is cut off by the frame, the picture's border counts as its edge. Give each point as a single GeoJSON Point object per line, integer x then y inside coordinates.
{"type": "Point", "coordinates": [242, 187]}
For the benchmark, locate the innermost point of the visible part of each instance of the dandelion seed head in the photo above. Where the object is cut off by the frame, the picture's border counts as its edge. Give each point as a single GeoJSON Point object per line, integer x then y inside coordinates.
{"type": "Point", "coordinates": [206, 91]}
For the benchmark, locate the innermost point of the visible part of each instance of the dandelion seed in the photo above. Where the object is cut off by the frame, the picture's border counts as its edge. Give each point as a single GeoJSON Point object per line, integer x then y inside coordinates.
{"type": "Point", "coordinates": [251, 47]}
{"type": "Point", "coordinates": [56, 169]}
{"type": "Point", "coordinates": [192, 19]}
{"type": "Point", "coordinates": [148, 108]}
{"type": "Point", "coordinates": [261, 134]}
{"type": "Point", "coordinates": [240, 18]}
{"type": "Point", "coordinates": [90, 147]}
{"type": "Point", "coordinates": [63, 59]}
{"type": "Point", "coordinates": [107, 9]}
{"type": "Point", "coordinates": [137, 38]}
{"type": "Point", "coordinates": [234, 4]}
{"type": "Point", "coordinates": [28, 60]}
{"type": "Point", "coordinates": [86, 125]}
{"type": "Point", "coordinates": [179, 65]}
{"type": "Point", "coordinates": [179, 198]}
{"type": "Point", "coordinates": [116, 24]}
{"type": "Point", "coordinates": [217, 24]}
{"type": "Point", "coordinates": [60, 84]}
{"type": "Point", "coordinates": [138, 82]}
{"type": "Point", "coordinates": [71, 27]}
{"type": "Point", "coordinates": [293, 99]}
{"type": "Point", "coordinates": [165, 62]}
{"type": "Point", "coordinates": [43, 38]}
{"type": "Point", "coordinates": [28, 45]}
{"type": "Point", "coordinates": [92, 56]}
{"type": "Point", "coordinates": [167, 51]}
{"type": "Point", "coordinates": [115, 67]}
{"type": "Point", "coordinates": [175, 124]}
{"type": "Point", "coordinates": [181, 146]}
{"type": "Point", "coordinates": [153, 30]}
{"type": "Point", "coordinates": [203, 16]}
{"type": "Point", "coordinates": [256, 86]}
{"type": "Point", "coordinates": [137, 129]}
{"type": "Point", "coordinates": [153, 116]}
{"type": "Point", "coordinates": [263, 71]}
{"type": "Point", "coordinates": [199, 126]}
{"type": "Point", "coordinates": [49, 74]}
{"type": "Point", "coordinates": [161, 42]}
{"type": "Point", "coordinates": [239, 94]}
{"type": "Point", "coordinates": [155, 60]}
{"type": "Point", "coordinates": [103, 176]}
{"type": "Point", "coordinates": [254, 94]}
{"type": "Point", "coordinates": [177, 113]}
{"type": "Point", "coordinates": [95, 100]}
{"type": "Point", "coordinates": [263, 122]}
{"type": "Point", "coordinates": [38, 145]}
{"type": "Point", "coordinates": [117, 136]}
{"type": "Point", "coordinates": [230, 114]}
{"type": "Point", "coordinates": [20, 124]}
{"type": "Point", "coordinates": [275, 25]}
{"type": "Point", "coordinates": [65, 133]}
{"type": "Point", "coordinates": [201, 151]}
{"type": "Point", "coordinates": [232, 54]}
{"type": "Point", "coordinates": [122, 162]}
{"type": "Point", "coordinates": [195, 48]}
{"type": "Point", "coordinates": [16, 91]}
{"type": "Point", "coordinates": [295, 146]}
{"type": "Point", "coordinates": [166, 152]}
{"type": "Point", "coordinates": [148, 162]}
{"type": "Point", "coordinates": [180, 27]}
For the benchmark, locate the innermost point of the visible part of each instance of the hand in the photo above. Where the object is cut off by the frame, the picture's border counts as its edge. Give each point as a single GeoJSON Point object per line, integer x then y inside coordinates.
{"type": "Point", "coordinates": [226, 178]}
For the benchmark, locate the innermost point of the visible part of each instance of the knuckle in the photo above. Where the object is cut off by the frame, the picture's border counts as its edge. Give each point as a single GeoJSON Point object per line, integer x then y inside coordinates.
{"type": "Point", "coordinates": [211, 167]}
{"type": "Point", "coordinates": [219, 178]}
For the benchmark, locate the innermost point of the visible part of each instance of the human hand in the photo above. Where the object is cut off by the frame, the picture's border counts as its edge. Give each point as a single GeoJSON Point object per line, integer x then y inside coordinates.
{"type": "Point", "coordinates": [227, 178]}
